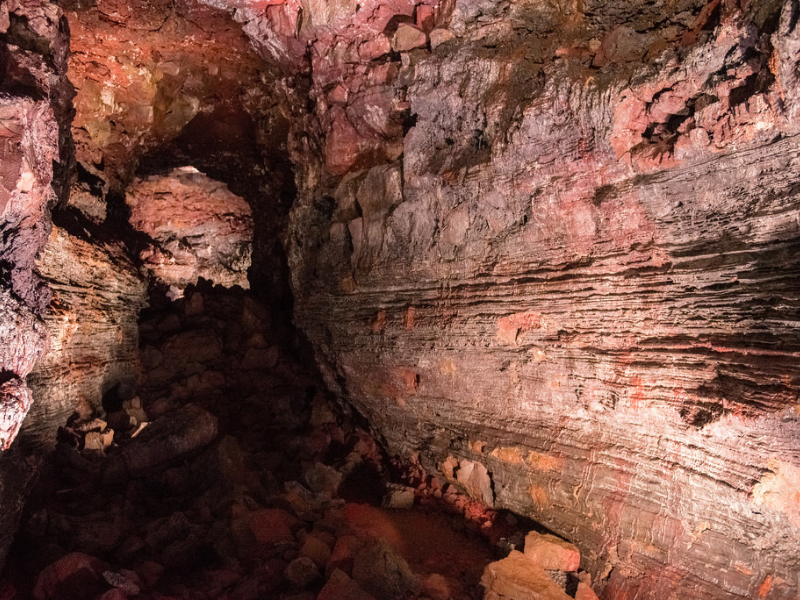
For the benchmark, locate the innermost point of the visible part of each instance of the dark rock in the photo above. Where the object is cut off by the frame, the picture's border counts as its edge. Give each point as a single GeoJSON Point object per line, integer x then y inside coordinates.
{"type": "Point", "coordinates": [161, 443]}
{"type": "Point", "coordinates": [340, 586]}
{"type": "Point", "coordinates": [75, 577]}
{"type": "Point", "coordinates": [301, 572]}
{"type": "Point", "coordinates": [382, 572]}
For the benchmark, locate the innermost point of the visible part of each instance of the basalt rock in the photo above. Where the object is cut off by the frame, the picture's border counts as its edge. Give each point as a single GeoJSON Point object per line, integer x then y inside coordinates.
{"type": "Point", "coordinates": [581, 275]}
{"type": "Point", "coordinates": [36, 161]}
{"type": "Point", "coordinates": [197, 226]}
{"type": "Point", "coordinates": [97, 294]}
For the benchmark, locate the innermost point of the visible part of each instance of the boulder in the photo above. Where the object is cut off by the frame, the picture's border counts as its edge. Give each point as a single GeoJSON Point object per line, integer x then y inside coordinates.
{"type": "Point", "coordinates": [162, 443]}
{"type": "Point", "coordinates": [74, 577]}
{"type": "Point", "coordinates": [519, 578]}
{"type": "Point", "coordinates": [407, 37]}
{"type": "Point", "coordinates": [551, 553]}
{"type": "Point", "coordinates": [380, 570]}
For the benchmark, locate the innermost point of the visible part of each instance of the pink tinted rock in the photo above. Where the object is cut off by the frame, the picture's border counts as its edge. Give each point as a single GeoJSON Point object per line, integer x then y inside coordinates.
{"type": "Point", "coordinates": [187, 205]}
{"type": "Point", "coordinates": [440, 36]}
{"type": "Point", "coordinates": [374, 47]}
{"type": "Point", "coordinates": [425, 17]}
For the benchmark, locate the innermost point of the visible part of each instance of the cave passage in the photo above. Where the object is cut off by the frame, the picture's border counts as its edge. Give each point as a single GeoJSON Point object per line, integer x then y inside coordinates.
{"type": "Point", "coordinates": [399, 299]}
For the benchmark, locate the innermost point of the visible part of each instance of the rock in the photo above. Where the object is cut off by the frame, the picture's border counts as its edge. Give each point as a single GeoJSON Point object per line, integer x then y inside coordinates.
{"type": "Point", "coordinates": [135, 411]}
{"type": "Point", "coordinates": [223, 463]}
{"type": "Point", "coordinates": [518, 578]}
{"type": "Point", "coordinates": [340, 586]}
{"type": "Point", "coordinates": [323, 479]}
{"type": "Point", "coordinates": [261, 358]}
{"type": "Point", "coordinates": [97, 441]}
{"type": "Point", "coordinates": [533, 255]}
{"type": "Point", "coordinates": [551, 553]}
{"type": "Point", "coordinates": [344, 552]}
{"type": "Point", "coordinates": [317, 550]}
{"type": "Point", "coordinates": [127, 582]}
{"type": "Point", "coordinates": [271, 526]}
{"type": "Point", "coordinates": [195, 305]}
{"type": "Point", "coordinates": [436, 587]}
{"type": "Point", "coordinates": [584, 592]}
{"type": "Point", "coordinates": [398, 496]}
{"type": "Point", "coordinates": [382, 572]}
{"type": "Point", "coordinates": [74, 577]}
{"type": "Point", "coordinates": [407, 37]}
{"type": "Point", "coordinates": [301, 572]}
{"type": "Point", "coordinates": [440, 36]}
{"type": "Point", "coordinates": [114, 594]}
{"type": "Point", "coordinates": [162, 532]}
{"type": "Point", "coordinates": [161, 443]}
{"type": "Point", "coordinates": [475, 479]}
{"type": "Point", "coordinates": [149, 573]}
{"type": "Point", "coordinates": [215, 225]}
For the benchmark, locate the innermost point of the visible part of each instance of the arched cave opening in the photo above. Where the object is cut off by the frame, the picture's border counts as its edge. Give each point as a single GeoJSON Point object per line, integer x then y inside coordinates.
{"type": "Point", "coordinates": [431, 299]}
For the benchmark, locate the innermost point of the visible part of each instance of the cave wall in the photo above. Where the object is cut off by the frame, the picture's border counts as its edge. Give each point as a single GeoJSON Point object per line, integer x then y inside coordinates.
{"type": "Point", "coordinates": [561, 239]}
{"type": "Point", "coordinates": [36, 161]}
{"type": "Point", "coordinates": [97, 293]}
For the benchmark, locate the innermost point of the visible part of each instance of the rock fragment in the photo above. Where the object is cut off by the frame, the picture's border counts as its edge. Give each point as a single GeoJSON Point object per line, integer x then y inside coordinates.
{"type": "Point", "coordinates": [407, 37]}
{"type": "Point", "coordinates": [551, 553]}
{"type": "Point", "coordinates": [518, 578]}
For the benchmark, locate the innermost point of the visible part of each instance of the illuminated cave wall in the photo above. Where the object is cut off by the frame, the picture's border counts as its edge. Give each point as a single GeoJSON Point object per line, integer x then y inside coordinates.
{"type": "Point", "coordinates": [556, 238]}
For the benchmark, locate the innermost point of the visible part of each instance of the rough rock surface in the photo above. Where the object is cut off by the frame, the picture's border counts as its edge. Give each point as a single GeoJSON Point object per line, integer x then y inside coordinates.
{"type": "Point", "coordinates": [97, 294]}
{"type": "Point", "coordinates": [581, 273]}
{"type": "Point", "coordinates": [197, 226]}
{"type": "Point", "coordinates": [36, 156]}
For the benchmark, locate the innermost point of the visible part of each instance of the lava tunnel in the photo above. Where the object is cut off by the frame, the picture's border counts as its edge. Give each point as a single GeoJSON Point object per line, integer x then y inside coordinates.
{"type": "Point", "coordinates": [400, 299]}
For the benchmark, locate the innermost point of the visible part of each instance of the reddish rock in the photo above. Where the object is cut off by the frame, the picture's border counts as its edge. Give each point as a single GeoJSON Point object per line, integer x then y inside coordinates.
{"type": "Point", "coordinates": [343, 553]}
{"type": "Point", "coordinates": [114, 594]}
{"type": "Point", "coordinates": [317, 550]}
{"type": "Point", "coordinates": [551, 553]}
{"type": "Point", "coordinates": [187, 205]}
{"type": "Point", "coordinates": [74, 577]}
{"type": "Point", "coordinates": [584, 592]}
{"type": "Point", "coordinates": [517, 578]}
{"type": "Point", "coordinates": [36, 164]}
{"type": "Point", "coordinates": [340, 586]}
{"type": "Point", "coordinates": [271, 526]}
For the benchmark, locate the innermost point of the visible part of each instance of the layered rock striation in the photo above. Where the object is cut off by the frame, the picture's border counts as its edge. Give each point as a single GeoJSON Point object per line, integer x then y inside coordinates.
{"type": "Point", "coordinates": [574, 262]}
{"type": "Point", "coordinates": [36, 158]}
